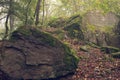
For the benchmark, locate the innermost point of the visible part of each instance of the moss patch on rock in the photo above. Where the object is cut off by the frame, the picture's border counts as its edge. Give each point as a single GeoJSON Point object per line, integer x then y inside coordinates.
{"type": "Point", "coordinates": [70, 60]}
{"type": "Point", "coordinates": [109, 49]}
{"type": "Point", "coordinates": [43, 37]}
{"type": "Point", "coordinates": [116, 55]}
{"type": "Point", "coordinates": [85, 48]}
{"type": "Point", "coordinates": [35, 43]}
{"type": "Point", "coordinates": [70, 56]}
{"type": "Point", "coordinates": [93, 45]}
{"type": "Point", "coordinates": [60, 34]}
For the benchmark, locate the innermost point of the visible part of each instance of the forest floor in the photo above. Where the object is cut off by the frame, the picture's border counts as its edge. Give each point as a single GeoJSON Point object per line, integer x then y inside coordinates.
{"type": "Point", "coordinates": [95, 65]}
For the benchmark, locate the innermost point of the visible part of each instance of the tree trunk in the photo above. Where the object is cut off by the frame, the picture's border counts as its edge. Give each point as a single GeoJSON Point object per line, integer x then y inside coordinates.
{"type": "Point", "coordinates": [37, 11]}
{"type": "Point", "coordinates": [26, 16]}
{"type": "Point", "coordinates": [7, 18]}
{"type": "Point", "coordinates": [43, 12]}
{"type": "Point", "coordinates": [11, 22]}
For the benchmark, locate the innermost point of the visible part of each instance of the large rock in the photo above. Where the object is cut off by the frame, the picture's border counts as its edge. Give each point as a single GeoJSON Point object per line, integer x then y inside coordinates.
{"type": "Point", "coordinates": [73, 27]}
{"type": "Point", "coordinates": [32, 54]}
{"type": "Point", "coordinates": [101, 29]}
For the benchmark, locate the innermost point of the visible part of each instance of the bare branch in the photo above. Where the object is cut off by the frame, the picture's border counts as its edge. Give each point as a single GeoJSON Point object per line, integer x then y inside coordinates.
{"type": "Point", "coordinates": [3, 17]}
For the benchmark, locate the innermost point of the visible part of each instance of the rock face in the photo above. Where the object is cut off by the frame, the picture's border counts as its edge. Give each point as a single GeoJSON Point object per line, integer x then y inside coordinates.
{"type": "Point", "coordinates": [32, 54]}
{"type": "Point", "coordinates": [74, 31]}
{"type": "Point", "coordinates": [101, 28]}
{"type": "Point", "coordinates": [73, 27]}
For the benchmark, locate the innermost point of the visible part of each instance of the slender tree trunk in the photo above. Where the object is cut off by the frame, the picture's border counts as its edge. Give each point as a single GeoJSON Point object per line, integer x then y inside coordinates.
{"type": "Point", "coordinates": [43, 12]}
{"type": "Point", "coordinates": [46, 12]}
{"type": "Point", "coordinates": [11, 22]}
{"type": "Point", "coordinates": [7, 18]}
{"type": "Point", "coordinates": [6, 27]}
{"type": "Point", "coordinates": [37, 11]}
{"type": "Point", "coordinates": [27, 8]}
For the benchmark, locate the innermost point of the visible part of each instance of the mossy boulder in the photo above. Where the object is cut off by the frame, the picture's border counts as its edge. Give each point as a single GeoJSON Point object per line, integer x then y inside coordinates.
{"type": "Point", "coordinates": [33, 54]}
{"type": "Point", "coordinates": [74, 31]}
{"type": "Point", "coordinates": [73, 27]}
{"type": "Point", "coordinates": [67, 27]}
{"type": "Point", "coordinates": [101, 29]}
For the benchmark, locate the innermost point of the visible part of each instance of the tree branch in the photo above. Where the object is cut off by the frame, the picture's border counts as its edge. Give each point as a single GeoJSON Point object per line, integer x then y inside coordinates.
{"type": "Point", "coordinates": [3, 17]}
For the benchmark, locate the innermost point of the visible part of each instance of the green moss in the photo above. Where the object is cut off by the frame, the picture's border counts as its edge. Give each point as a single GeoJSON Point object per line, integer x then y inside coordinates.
{"type": "Point", "coordinates": [20, 31]}
{"type": "Point", "coordinates": [91, 27]}
{"type": "Point", "coordinates": [93, 45]}
{"type": "Point", "coordinates": [116, 55]}
{"type": "Point", "coordinates": [45, 38]}
{"type": "Point", "coordinates": [105, 29]}
{"type": "Point", "coordinates": [57, 22]}
{"type": "Point", "coordinates": [60, 34]}
{"type": "Point", "coordinates": [74, 19]}
{"type": "Point", "coordinates": [74, 31]}
{"type": "Point", "coordinates": [85, 48]}
{"type": "Point", "coordinates": [109, 49]}
{"type": "Point", "coordinates": [26, 33]}
{"type": "Point", "coordinates": [70, 59]}
{"type": "Point", "coordinates": [58, 31]}
{"type": "Point", "coordinates": [73, 27]}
